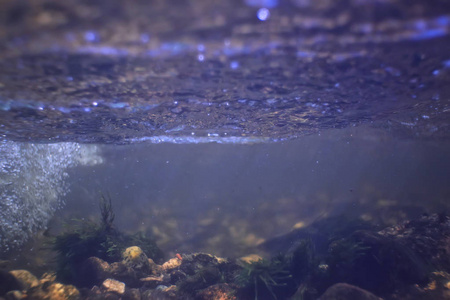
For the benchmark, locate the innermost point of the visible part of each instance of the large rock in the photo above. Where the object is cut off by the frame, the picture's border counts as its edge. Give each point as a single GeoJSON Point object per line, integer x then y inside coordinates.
{"type": "Point", "coordinates": [136, 259]}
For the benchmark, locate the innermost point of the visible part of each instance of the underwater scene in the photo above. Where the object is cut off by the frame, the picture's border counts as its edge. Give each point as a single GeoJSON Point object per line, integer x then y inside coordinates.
{"type": "Point", "coordinates": [225, 150]}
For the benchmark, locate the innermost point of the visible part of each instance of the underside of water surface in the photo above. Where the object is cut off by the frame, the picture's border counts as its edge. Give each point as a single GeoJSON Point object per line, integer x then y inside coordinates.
{"type": "Point", "coordinates": [225, 70]}
{"type": "Point", "coordinates": [305, 132]}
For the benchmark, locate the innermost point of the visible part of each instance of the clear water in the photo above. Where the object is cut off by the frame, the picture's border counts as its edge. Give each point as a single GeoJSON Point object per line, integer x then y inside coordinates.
{"type": "Point", "coordinates": [217, 125]}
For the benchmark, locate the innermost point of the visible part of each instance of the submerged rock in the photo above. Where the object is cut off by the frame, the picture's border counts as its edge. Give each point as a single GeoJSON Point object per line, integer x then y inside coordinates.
{"type": "Point", "coordinates": [136, 259]}
{"type": "Point", "coordinates": [395, 263]}
{"type": "Point", "coordinates": [382, 262]}
{"type": "Point", "coordinates": [96, 270]}
{"type": "Point", "coordinates": [21, 284]}
{"type": "Point", "coordinates": [111, 285]}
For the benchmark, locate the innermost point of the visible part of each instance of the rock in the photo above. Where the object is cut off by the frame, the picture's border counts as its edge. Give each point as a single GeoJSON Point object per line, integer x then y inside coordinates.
{"type": "Point", "coordinates": [25, 278]}
{"type": "Point", "coordinates": [136, 259]}
{"type": "Point", "coordinates": [171, 264]}
{"type": "Point", "coordinates": [344, 291]}
{"type": "Point", "coordinates": [126, 274]}
{"type": "Point", "coordinates": [194, 262]}
{"type": "Point", "coordinates": [221, 291]}
{"type": "Point", "coordinates": [176, 276]}
{"type": "Point", "coordinates": [200, 280]}
{"type": "Point", "coordinates": [54, 291]}
{"type": "Point", "coordinates": [111, 285]}
{"type": "Point", "coordinates": [152, 282]}
{"type": "Point", "coordinates": [61, 291]}
{"type": "Point", "coordinates": [94, 271]}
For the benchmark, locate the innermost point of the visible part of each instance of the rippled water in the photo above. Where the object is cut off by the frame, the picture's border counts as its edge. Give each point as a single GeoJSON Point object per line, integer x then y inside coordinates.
{"type": "Point", "coordinates": [173, 71]}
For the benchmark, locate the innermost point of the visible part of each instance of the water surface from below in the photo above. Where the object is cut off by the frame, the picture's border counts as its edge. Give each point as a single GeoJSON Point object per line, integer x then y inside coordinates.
{"type": "Point", "coordinates": [119, 73]}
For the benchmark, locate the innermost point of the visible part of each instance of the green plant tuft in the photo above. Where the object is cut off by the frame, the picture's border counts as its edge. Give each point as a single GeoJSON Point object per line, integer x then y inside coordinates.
{"type": "Point", "coordinates": [266, 279]}
{"type": "Point", "coordinates": [83, 239]}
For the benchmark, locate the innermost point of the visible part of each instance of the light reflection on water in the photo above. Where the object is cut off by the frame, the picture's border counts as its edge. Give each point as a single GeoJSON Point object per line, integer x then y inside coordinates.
{"type": "Point", "coordinates": [309, 66]}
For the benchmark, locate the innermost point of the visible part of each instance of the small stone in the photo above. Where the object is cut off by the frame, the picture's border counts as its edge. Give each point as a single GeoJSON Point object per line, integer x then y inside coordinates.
{"type": "Point", "coordinates": [115, 286]}
{"type": "Point", "coordinates": [344, 291]}
{"type": "Point", "coordinates": [171, 264]}
{"type": "Point", "coordinates": [152, 281]}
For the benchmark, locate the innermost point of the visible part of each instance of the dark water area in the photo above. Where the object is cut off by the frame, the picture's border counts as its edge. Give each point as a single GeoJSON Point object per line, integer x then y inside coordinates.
{"type": "Point", "coordinates": [314, 130]}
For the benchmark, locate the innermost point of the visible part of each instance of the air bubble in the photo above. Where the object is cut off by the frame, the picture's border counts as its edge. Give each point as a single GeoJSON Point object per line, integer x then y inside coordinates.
{"type": "Point", "coordinates": [263, 14]}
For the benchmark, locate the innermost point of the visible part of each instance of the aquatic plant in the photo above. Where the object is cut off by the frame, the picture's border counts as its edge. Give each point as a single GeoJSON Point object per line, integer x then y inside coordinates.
{"type": "Point", "coordinates": [85, 239]}
{"type": "Point", "coordinates": [107, 212]}
{"type": "Point", "coordinates": [266, 279]}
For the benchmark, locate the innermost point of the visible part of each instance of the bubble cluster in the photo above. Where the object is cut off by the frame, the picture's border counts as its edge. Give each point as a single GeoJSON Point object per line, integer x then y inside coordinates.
{"type": "Point", "coordinates": [33, 183]}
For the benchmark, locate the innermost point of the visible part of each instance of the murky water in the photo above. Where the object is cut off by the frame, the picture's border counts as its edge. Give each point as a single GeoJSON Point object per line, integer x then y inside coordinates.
{"type": "Point", "coordinates": [217, 125]}
{"type": "Point", "coordinates": [226, 199]}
